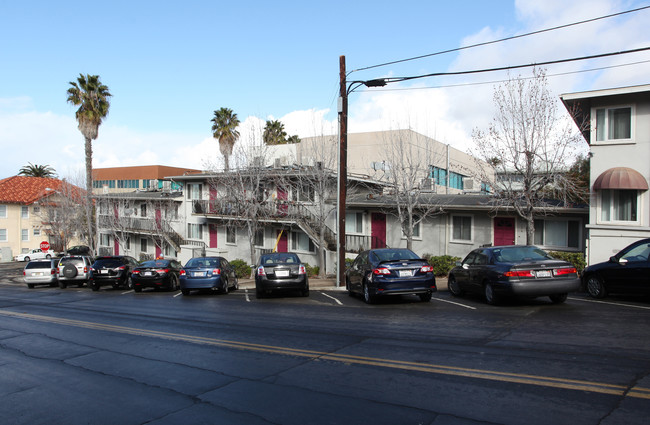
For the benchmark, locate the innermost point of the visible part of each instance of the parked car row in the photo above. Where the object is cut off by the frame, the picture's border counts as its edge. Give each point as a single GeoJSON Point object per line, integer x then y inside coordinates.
{"type": "Point", "coordinates": [494, 272]}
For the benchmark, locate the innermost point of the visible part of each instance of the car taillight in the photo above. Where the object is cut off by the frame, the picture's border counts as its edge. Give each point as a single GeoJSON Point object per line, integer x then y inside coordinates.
{"type": "Point", "coordinates": [381, 270]}
{"type": "Point", "coordinates": [135, 272]}
{"type": "Point", "coordinates": [24, 274]}
{"type": "Point", "coordinates": [53, 271]}
{"type": "Point", "coordinates": [302, 269]}
{"type": "Point", "coordinates": [426, 269]}
{"type": "Point", "coordinates": [216, 271]}
{"type": "Point", "coordinates": [121, 268]}
{"type": "Point", "coordinates": [182, 273]}
{"type": "Point", "coordinates": [519, 273]}
{"type": "Point", "coordinates": [260, 271]}
{"type": "Point", "coordinates": [85, 269]}
{"type": "Point", "coordinates": [567, 270]}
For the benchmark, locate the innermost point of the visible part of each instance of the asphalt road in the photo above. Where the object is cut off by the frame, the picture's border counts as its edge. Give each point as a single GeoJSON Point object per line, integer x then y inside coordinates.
{"type": "Point", "coordinates": [76, 356]}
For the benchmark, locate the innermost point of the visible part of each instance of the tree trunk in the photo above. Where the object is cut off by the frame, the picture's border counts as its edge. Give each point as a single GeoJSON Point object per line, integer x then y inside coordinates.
{"type": "Point", "coordinates": [89, 192]}
{"type": "Point", "coordinates": [530, 229]}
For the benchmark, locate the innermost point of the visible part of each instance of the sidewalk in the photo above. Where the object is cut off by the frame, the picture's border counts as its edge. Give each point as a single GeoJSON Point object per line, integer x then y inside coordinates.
{"type": "Point", "coordinates": [314, 283]}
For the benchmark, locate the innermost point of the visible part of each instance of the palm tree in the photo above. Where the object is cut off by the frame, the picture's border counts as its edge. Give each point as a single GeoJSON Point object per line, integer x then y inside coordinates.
{"type": "Point", "coordinates": [293, 139]}
{"type": "Point", "coordinates": [92, 98]}
{"type": "Point", "coordinates": [224, 129]}
{"type": "Point", "coordinates": [274, 133]}
{"type": "Point", "coordinates": [32, 170]}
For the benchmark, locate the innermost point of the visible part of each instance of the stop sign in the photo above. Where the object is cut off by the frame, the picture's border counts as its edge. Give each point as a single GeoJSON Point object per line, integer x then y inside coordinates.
{"type": "Point", "coordinates": [45, 245]}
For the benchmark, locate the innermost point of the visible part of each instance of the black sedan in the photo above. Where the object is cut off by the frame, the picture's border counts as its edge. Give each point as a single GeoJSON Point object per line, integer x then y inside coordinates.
{"type": "Point", "coordinates": [280, 271]}
{"type": "Point", "coordinates": [212, 273]}
{"type": "Point", "coordinates": [114, 270]}
{"type": "Point", "coordinates": [627, 272]}
{"type": "Point", "coordinates": [514, 270]}
{"type": "Point", "coordinates": [390, 271]}
{"type": "Point", "coordinates": [156, 274]}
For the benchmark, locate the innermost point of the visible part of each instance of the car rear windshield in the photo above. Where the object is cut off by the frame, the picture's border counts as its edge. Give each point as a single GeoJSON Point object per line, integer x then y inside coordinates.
{"type": "Point", "coordinates": [519, 254]}
{"type": "Point", "coordinates": [203, 262]}
{"type": "Point", "coordinates": [65, 260]}
{"type": "Point", "coordinates": [108, 263]}
{"type": "Point", "coordinates": [395, 255]}
{"type": "Point", "coordinates": [270, 259]}
{"type": "Point", "coordinates": [155, 263]}
{"type": "Point", "coordinates": [39, 265]}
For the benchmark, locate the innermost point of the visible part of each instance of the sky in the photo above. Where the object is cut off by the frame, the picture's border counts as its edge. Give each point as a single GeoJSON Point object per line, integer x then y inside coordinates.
{"type": "Point", "coordinates": [169, 65]}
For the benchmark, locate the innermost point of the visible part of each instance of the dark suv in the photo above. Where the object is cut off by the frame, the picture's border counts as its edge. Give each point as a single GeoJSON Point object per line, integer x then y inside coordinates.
{"type": "Point", "coordinates": [114, 270]}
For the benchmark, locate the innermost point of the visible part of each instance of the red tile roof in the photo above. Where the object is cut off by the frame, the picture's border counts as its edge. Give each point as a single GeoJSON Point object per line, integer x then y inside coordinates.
{"type": "Point", "coordinates": [26, 190]}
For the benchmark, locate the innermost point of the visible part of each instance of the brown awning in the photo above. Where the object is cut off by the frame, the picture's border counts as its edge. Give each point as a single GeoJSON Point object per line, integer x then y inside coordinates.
{"type": "Point", "coordinates": [621, 178]}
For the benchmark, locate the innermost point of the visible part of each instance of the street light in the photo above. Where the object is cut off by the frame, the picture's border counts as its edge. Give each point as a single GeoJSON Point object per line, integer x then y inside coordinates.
{"type": "Point", "coordinates": [342, 179]}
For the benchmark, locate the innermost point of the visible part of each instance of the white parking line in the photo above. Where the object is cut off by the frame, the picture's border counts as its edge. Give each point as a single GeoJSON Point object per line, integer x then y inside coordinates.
{"type": "Point", "coordinates": [329, 296]}
{"type": "Point", "coordinates": [248, 299]}
{"type": "Point", "coordinates": [128, 292]}
{"type": "Point", "coordinates": [180, 293]}
{"type": "Point", "coordinates": [455, 303]}
{"type": "Point", "coordinates": [610, 303]}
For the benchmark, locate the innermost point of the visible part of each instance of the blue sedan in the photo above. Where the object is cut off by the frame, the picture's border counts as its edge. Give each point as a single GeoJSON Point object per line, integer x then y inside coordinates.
{"type": "Point", "coordinates": [208, 273]}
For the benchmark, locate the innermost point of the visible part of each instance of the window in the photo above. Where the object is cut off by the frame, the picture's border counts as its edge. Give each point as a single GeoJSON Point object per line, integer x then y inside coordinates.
{"type": "Point", "coordinates": [103, 208]}
{"type": "Point", "coordinates": [259, 238]}
{"type": "Point", "coordinates": [439, 175]}
{"type": "Point", "coordinates": [143, 245]}
{"type": "Point", "coordinates": [128, 242]}
{"type": "Point", "coordinates": [36, 209]}
{"type": "Point", "coordinates": [143, 210]}
{"type": "Point", "coordinates": [231, 235]}
{"type": "Point", "coordinates": [461, 228]}
{"type": "Point", "coordinates": [618, 205]}
{"type": "Point", "coordinates": [24, 212]}
{"type": "Point", "coordinates": [301, 242]}
{"type": "Point", "coordinates": [613, 124]}
{"type": "Point", "coordinates": [104, 239]}
{"type": "Point", "coordinates": [3, 211]}
{"type": "Point", "coordinates": [3, 235]}
{"type": "Point", "coordinates": [37, 232]}
{"type": "Point", "coordinates": [416, 228]}
{"type": "Point", "coordinates": [194, 231]}
{"type": "Point", "coordinates": [194, 191]}
{"type": "Point", "coordinates": [354, 222]}
{"type": "Point", "coordinates": [557, 233]}
{"type": "Point", "coordinates": [456, 180]}
{"type": "Point", "coordinates": [24, 235]}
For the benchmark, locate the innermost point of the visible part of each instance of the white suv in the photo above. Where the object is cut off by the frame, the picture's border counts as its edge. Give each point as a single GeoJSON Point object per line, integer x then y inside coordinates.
{"type": "Point", "coordinates": [74, 269]}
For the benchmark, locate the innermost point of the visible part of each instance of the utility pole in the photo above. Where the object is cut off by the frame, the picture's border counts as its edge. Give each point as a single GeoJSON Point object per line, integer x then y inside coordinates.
{"type": "Point", "coordinates": [343, 170]}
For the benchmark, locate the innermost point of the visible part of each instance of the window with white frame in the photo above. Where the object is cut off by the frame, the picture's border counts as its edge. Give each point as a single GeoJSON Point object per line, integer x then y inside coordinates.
{"type": "Point", "coordinates": [416, 227]}
{"type": "Point", "coordinates": [301, 242]}
{"type": "Point", "coordinates": [143, 210]}
{"type": "Point", "coordinates": [24, 212]}
{"type": "Point", "coordinates": [259, 238]}
{"type": "Point", "coordinates": [557, 233]}
{"type": "Point", "coordinates": [231, 235]}
{"type": "Point", "coordinates": [37, 232]}
{"type": "Point", "coordinates": [105, 239]}
{"type": "Point", "coordinates": [3, 211]}
{"type": "Point", "coordinates": [3, 235]}
{"type": "Point", "coordinates": [613, 123]}
{"type": "Point", "coordinates": [194, 191]}
{"type": "Point", "coordinates": [461, 228]}
{"type": "Point", "coordinates": [103, 208]}
{"type": "Point", "coordinates": [36, 209]}
{"type": "Point", "coordinates": [144, 245]}
{"type": "Point", "coordinates": [24, 235]}
{"type": "Point", "coordinates": [354, 222]}
{"type": "Point", "coordinates": [619, 205]}
{"type": "Point", "coordinates": [194, 231]}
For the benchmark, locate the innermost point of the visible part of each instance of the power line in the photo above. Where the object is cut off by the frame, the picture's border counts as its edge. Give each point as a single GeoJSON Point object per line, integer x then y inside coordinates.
{"type": "Point", "coordinates": [501, 81]}
{"type": "Point", "coordinates": [500, 40]}
{"type": "Point", "coordinates": [507, 68]}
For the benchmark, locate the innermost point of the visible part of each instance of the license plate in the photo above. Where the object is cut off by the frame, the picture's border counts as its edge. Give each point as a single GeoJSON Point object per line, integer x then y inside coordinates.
{"type": "Point", "coordinates": [405, 273]}
{"type": "Point", "coordinates": [543, 273]}
{"type": "Point", "coordinates": [198, 274]}
{"type": "Point", "coordinates": [282, 273]}
{"type": "Point", "coordinates": [148, 274]}
{"type": "Point", "coordinates": [38, 274]}
{"type": "Point", "coordinates": [103, 271]}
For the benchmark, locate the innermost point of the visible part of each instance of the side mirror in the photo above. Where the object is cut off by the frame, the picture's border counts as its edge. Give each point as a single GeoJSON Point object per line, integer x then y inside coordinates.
{"type": "Point", "coordinates": [465, 266]}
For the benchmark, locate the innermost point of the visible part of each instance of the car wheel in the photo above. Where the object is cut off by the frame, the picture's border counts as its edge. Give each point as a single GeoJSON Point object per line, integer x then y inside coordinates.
{"type": "Point", "coordinates": [425, 298]}
{"type": "Point", "coordinates": [225, 288]}
{"type": "Point", "coordinates": [95, 286]}
{"type": "Point", "coordinates": [305, 292]}
{"type": "Point", "coordinates": [128, 283]}
{"type": "Point", "coordinates": [347, 286]}
{"type": "Point", "coordinates": [259, 294]}
{"type": "Point", "coordinates": [116, 286]}
{"type": "Point", "coordinates": [367, 296]}
{"type": "Point", "coordinates": [137, 289]}
{"type": "Point", "coordinates": [185, 291]}
{"type": "Point", "coordinates": [80, 284]}
{"type": "Point", "coordinates": [62, 284]}
{"type": "Point", "coordinates": [490, 296]}
{"type": "Point", "coordinates": [48, 256]}
{"type": "Point", "coordinates": [454, 287]}
{"type": "Point", "coordinates": [595, 287]}
{"type": "Point", "coordinates": [558, 298]}
{"type": "Point", "coordinates": [30, 285]}
{"type": "Point", "coordinates": [27, 259]}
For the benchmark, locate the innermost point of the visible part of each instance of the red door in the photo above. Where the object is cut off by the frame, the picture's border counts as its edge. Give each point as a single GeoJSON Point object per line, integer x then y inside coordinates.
{"type": "Point", "coordinates": [378, 230]}
{"type": "Point", "coordinates": [213, 235]}
{"type": "Point", "coordinates": [504, 231]}
{"type": "Point", "coordinates": [283, 243]}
